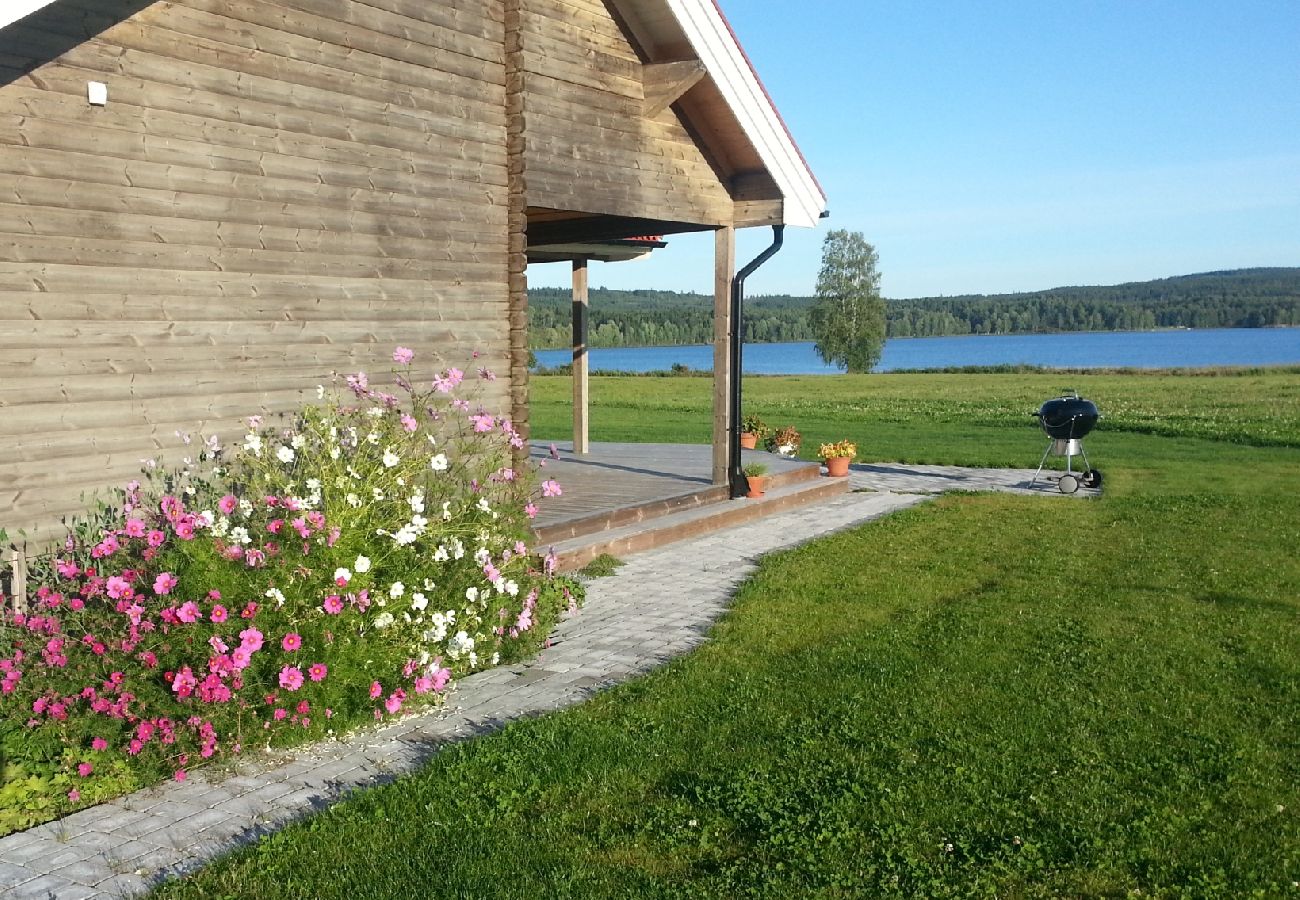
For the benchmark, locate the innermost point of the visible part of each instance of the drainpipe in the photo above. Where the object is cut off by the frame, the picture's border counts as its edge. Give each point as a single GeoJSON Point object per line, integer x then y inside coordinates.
{"type": "Point", "coordinates": [739, 486]}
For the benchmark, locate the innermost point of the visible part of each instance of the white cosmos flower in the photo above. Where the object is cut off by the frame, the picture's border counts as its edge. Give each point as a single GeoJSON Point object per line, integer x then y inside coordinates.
{"type": "Point", "coordinates": [253, 442]}
{"type": "Point", "coordinates": [471, 594]}
{"type": "Point", "coordinates": [390, 458]}
{"type": "Point", "coordinates": [285, 455]}
{"type": "Point", "coordinates": [419, 601]}
{"type": "Point", "coordinates": [396, 590]}
{"type": "Point", "coordinates": [362, 564]}
{"type": "Point", "coordinates": [438, 463]}
{"type": "Point", "coordinates": [441, 554]}
{"type": "Point", "coordinates": [298, 442]}
{"type": "Point", "coordinates": [353, 500]}
{"type": "Point", "coordinates": [383, 620]}
{"type": "Point", "coordinates": [342, 575]}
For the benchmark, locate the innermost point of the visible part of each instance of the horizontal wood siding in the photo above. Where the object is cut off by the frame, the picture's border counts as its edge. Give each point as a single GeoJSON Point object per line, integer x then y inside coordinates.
{"type": "Point", "coordinates": [276, 190]}
{"type": "Point", "coordinates": [590, 147]}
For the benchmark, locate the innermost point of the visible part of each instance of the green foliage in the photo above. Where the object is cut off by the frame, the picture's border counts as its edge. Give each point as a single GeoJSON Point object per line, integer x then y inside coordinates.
{"type": "Point", "coordinates": [1243, 298]}
{"type": "Point", "coordinates": [602, 566]}
{"type": "Point", "coordinates": [986, 696]}
{"type": "Point", "coordinates": [848, 319]}
{"type": "Point", "coordinates": [753, 470]}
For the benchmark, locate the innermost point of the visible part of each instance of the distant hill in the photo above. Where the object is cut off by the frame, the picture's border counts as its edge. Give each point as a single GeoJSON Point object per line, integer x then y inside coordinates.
{"type": "Point", "coordinates": [1240, 298]}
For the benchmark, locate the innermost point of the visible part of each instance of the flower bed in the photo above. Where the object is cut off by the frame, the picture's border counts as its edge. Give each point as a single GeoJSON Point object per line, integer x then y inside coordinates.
{"type": "Point", "coordinates": [342, 567]}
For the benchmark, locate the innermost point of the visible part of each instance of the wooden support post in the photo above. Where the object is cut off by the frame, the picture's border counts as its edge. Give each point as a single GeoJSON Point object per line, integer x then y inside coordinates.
{"type": "Point", "coordinates": [581, 396]}
{"type": "Point", "coordinates": [18, 580]}
{"type": "Point", "coordinates": [724, 271]}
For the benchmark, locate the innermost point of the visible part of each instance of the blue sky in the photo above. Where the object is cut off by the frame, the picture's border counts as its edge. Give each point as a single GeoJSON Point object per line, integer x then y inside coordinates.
{"type": "Point", "coordinates": [1004, 146]}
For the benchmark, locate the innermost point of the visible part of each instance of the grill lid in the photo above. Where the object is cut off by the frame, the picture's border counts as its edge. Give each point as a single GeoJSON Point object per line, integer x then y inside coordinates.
{"type": "Point", "coordinates": [1068, 418]}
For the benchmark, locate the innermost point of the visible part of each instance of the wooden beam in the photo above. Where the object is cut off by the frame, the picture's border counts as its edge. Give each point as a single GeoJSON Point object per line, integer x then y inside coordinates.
{"type": "Point", "coordinates": [581, 396]}
{"type": "Point", "coordinates": [724, 271]}
{"type": "Point", "coordinates": [603, 228]}
{"type": "Point", "coordinates": [750, 213]}
{"type": "Point", "coordinates": [663, 83]}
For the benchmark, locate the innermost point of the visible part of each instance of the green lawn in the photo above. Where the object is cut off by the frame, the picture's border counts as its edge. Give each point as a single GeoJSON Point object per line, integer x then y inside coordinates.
{"type": "Point", "coordinates": [983, 696]}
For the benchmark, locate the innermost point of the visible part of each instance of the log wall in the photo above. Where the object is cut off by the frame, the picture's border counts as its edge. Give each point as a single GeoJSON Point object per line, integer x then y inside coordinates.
{"type": "Point", "coordinates": [273, 192]}
{"type": "Point", "coordinates": [591, 147]}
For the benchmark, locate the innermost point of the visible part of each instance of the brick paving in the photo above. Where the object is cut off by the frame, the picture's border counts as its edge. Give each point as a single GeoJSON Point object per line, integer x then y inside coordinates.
{"type": "Point", "coordinates": [122, 848]}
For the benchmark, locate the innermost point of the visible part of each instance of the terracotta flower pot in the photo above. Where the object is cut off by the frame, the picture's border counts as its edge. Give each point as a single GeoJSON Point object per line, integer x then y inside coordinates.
{"type": "Point", "coordinates": [757, 485]}
{"type": "Point", "coordinates": [837, 466]}
{"type": "Point", "coordinates": [748, 440]}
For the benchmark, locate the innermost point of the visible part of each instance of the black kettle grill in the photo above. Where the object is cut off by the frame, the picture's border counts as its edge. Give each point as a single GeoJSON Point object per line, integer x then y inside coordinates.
{"type": "Point", "coordinates": [1065, 421]}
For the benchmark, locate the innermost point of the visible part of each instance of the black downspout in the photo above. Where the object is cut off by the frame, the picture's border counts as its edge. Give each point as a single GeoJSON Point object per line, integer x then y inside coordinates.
{"type": "Point", "coordinates": [739, 485]}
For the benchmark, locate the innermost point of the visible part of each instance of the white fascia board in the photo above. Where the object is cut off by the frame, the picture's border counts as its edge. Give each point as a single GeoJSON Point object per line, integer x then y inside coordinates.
{"type": "Point", "coordinates": [13, 10]}
{"type": "Point", "coordinates": [713, 41]}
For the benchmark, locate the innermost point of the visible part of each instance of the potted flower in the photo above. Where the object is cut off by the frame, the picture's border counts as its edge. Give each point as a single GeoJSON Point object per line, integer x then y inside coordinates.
{"type": "Point", "coordinates": [837, 456]}
{"type": "Point", "coordinates": [785, 441]}
{"type": "Point", "coordinates": [752, 430]}
{"type": "Point", "coordinates": [756, 475]}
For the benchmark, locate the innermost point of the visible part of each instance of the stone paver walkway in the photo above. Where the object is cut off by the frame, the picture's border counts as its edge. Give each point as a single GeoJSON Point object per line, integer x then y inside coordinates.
{"type": "Point", "coordinates": [121, 848]}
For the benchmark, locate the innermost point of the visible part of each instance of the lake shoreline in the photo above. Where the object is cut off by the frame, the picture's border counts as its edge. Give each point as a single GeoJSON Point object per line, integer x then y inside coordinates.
{"type": "Point", "coordinates": [1091, 350]}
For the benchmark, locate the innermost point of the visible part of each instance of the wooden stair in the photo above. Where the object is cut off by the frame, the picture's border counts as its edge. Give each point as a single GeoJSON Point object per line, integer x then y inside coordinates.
{"type": "Point", "coordinates": [645, 526]}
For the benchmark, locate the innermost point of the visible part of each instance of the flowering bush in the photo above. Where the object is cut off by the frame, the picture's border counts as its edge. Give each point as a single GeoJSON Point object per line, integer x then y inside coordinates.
{"type": "Point", "coordinates": [838, 450]}
{"type": "Point", "coordinates": [342, 566]}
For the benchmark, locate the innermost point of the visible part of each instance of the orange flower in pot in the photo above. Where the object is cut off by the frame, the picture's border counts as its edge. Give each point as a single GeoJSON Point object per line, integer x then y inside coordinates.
{"type": "Point", "coordinates": [837, 457]}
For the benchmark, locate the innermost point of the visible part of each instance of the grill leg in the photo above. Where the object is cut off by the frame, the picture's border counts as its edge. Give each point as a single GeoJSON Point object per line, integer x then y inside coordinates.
{"type": "Point", "coordinates": [1042, 462]}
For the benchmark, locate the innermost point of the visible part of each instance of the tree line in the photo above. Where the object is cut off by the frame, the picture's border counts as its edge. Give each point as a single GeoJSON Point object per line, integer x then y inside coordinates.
{"type": "Point", "coordinates": [1242, 298]}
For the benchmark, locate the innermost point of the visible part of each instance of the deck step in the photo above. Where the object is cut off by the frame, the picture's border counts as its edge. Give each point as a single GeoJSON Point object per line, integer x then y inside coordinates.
{"type": "Point", "coordinates": [692, 519]}
{"type": "Point", "coordinates": [605, 520]}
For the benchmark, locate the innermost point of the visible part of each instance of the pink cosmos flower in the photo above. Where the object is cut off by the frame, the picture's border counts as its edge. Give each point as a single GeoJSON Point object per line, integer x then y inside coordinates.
{"type": "Point", "coordinates": [74, 795]}
{"type": "Point", "coordinates": [409, 424]}
{"type": "Point", "coordinates": [219, 614]}
{"type": "Point", "coordinates": [155, 538]}
{"type": "Point", "coordinates": [333, 604]}
{"type": "Point", "coordinates": [188, 612]}
{"type": "Point", "coordinates": [393, 704]}
{"type": "Point", "coordinates": [280, 714]}
{"type": "Point", "coordinates": [180, 774]}
{"type": "Point", "coordinates": [486, 374]}
{"type": "Point", "coordinates": [530, 510]}
{"type": "Point", "coordinates": [483, 422]}
{"type": "Point", "coordinates": [135, 528]}
{"type": "Point", "coordinates": [228, 504]}
{"type": "Point", "coordinates": [376, 690]}
{"type": "Point", "coordinates": [291, 678]}
{"type": "Point", "coordinates": [185, 529]}
{"type": "Point", "coordinates": [240, 657]}
{"type": "Point", "coordinates": [440, 679]}
{"type": "Point", "coordinates": [250, 639]}
{"type": "Point", "coordinates": [68, 568]}
{"type": "Point", "coordinates": [84, 769]}
{"type": "Point", "coordinates": [99, 744]}
{"type": "Point", "coordinates": [318, 671]}
{"type": "Point", "coordinates": [275, 525]}
{"type": "Point", "coordinates": [403, 355]}
{"type": "Point", "coordinates": [551, 488]}
{"type": "Point", "coordinates": [118, 587]}
{"type": "Point", "coordinates": [291, 642]}
{"type": "Point", "coordinates": [164, 583]}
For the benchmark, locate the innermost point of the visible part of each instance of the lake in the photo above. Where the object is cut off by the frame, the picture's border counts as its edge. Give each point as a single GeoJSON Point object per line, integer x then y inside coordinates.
{"type": "Point", "coordinates": [1085, 349]}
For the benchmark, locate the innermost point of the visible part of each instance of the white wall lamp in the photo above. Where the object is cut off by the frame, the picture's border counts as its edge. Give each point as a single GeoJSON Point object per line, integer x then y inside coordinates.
{"type": "Point", "coordinates": [97, 93]}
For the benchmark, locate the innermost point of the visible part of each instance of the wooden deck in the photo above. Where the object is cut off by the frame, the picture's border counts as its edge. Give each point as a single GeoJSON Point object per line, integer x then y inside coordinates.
{"type": "Point", "coordinates": [616, 484]}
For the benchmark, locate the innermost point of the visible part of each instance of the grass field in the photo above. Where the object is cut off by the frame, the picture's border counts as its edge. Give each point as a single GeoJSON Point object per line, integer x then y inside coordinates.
{"type": "Point", "coordinates": [982, 696]}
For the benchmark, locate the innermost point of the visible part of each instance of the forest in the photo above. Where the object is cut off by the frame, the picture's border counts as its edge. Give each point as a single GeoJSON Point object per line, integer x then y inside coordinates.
{"type": "Point", "coordinates": [1241, 298]}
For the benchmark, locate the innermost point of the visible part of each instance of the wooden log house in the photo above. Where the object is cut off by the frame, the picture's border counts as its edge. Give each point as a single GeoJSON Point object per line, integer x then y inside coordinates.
{"type": "Point", "coordinates": [208, 206]}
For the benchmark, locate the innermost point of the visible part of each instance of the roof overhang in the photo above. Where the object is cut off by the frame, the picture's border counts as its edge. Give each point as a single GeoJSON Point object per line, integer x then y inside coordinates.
{"type": "Point", "coordinates": [675, 29]}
